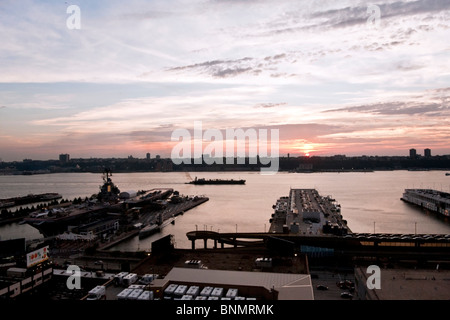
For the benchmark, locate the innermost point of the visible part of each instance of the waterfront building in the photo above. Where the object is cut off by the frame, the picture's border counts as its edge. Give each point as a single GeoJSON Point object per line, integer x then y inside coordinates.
{"type": "Point", "coordinates": [64, 158]}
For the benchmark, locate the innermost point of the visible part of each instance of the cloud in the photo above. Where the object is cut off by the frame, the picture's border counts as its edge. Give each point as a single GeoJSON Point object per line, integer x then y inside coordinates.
{"type": "Point", "coordinates": [220, 68]}
{"type": "Point", "coordinates": [349, 16]}
{"type": "Point", "coordinates": [270, 105]}
{"type": "Point", "coordinates": [431, 103]}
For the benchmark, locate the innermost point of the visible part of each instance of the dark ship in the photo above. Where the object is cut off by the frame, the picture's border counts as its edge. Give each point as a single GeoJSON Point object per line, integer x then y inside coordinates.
{"type": "Point", "coordinates": [203, 181]}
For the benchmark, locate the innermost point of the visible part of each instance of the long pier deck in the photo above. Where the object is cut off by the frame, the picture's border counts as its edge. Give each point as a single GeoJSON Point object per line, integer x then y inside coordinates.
{"type": "Point", "coordinates": [306, 219]}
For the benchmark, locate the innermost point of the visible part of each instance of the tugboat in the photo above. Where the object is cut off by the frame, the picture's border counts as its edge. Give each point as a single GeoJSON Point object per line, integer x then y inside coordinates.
{"type": "Point", "coordinates": [202, 181]}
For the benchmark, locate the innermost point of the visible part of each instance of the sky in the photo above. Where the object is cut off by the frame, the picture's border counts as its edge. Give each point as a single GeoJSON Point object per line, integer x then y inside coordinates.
{"type": "Point", "coordinates": [117, 78]}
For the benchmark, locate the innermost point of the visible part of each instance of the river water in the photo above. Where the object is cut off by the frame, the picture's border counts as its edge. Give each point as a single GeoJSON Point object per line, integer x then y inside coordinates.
{"type": "Point", "coordinates": [369, 201]}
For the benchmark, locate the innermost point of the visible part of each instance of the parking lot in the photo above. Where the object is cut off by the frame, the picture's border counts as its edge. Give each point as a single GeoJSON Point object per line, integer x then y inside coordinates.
{"type": "Point", "coordinates": [330, 279]}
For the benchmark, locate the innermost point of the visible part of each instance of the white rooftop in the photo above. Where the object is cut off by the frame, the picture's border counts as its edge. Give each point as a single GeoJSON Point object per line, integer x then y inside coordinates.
{"type": "Point", "coordinates": [289, 286]}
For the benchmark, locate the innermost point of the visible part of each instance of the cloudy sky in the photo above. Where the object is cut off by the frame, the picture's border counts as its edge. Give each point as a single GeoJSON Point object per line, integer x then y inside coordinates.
{"type": "Point", "coordinates": [329, 75]}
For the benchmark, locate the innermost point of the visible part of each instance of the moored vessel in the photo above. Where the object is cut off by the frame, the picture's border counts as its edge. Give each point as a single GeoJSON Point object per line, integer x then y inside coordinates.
{"type": "Point", "coordinates": [433, 200]}
{"type": "Point", "coordinates": [202, 181]}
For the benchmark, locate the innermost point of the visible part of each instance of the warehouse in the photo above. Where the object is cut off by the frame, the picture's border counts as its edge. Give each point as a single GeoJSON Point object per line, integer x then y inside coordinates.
{"type": "Point", "coordinates": [253, 285]}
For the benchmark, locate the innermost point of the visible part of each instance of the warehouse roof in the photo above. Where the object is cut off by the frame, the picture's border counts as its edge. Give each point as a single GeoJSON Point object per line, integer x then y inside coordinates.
{"type": "Point", "coordinates": [288, 285]}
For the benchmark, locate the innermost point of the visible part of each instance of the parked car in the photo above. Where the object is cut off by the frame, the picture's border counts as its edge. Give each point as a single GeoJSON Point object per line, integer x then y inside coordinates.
{"type": "Point", "coordinates": [346, 295]}
{"type": "Point", "coordinates": [321, 287]}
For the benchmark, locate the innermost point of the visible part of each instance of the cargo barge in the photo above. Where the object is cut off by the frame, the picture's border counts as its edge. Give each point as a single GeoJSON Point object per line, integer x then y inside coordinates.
{"type": "Point", "coordinates": [432, 200]}
{"type": "Point", "coordinates": [203, 181]}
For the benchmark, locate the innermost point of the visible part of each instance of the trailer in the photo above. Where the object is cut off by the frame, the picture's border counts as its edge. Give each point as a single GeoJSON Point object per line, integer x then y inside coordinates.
{"type": "Point", "coordinates": [169, 291]}
{"type": "Point", "coordinates": [206, 291]}
{"type": "Point", "coordinates": [180, 290]}
{"type": "Point", "coordinates": [118, 278]}
{"type": "Point", "coordinates": [97, 293]}
{"type": "Point", "coordinates": [217, 292]}
{"type": "Point", "coordinates": [136, 286]}
{"type": "Point", "coordinates": [135, 294]}
{"type": "Point", "coordinates": [148, 278]}
{"type": "Point", "coordinates": [129, 279]}
{"type": "Point", "coordinates": [231, 293]}
{"type": "Point", "coordinates": [123, 295]}
{"type": "Point", "coordinates": [146, 295]}
{"type": "Point", "coordinates": [193, 291]}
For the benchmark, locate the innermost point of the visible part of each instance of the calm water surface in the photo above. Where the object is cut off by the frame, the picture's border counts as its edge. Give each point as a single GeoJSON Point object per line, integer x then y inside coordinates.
{"type": "Point", "coordinates": [370, 201]}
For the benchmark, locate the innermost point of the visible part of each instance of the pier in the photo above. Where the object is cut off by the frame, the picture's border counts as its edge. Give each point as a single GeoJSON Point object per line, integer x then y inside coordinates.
{"type": "Point", "coordinates": [305, 220]}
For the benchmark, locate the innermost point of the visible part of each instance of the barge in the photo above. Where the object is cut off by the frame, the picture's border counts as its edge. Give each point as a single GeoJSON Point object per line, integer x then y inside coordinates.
{"type": "Point", "coordinates": [31, 198]}
{"type": "Point", "coordinates": [202, 181]}
{"type": "Point", "coordinates": [432, 200]}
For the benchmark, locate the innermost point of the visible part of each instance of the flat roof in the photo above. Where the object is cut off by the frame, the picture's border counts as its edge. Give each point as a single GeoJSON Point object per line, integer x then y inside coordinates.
{"type": "Point", "coordinates": [289, 286]}
{"type": "Point", "coordinates": [409, 284]}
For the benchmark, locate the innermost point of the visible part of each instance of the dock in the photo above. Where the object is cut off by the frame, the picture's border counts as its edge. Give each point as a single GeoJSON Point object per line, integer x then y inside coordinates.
{"type": "Point", "coordinates": [159, 218]}
{"type": "Point", "coordinates": [305, 221]}
{"type": "Point", "coordinates": [306, 212]}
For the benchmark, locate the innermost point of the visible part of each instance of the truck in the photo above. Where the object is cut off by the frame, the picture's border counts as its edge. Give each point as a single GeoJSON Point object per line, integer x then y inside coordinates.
{"type": "Point", "coordinates": [16, 272]}
{"type": "Point", "coordinates": [147, 278]}
{"type": "Point", "coordinates": [97, 293]}
{"type": "Point", "coordinates": [135, 294]}
{"type": "Point", "coordinates": [119, 277]}
{"type": "Point", "coordinates": [129, 279]}
{"type": "Point", "coordinates": [123, 295]}
{"type": "Point", "coordinates": [146, 295]}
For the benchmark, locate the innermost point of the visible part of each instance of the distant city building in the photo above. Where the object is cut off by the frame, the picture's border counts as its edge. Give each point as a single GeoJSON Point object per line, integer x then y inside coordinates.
{"type": "Point", "coordinates": [158, 157]}
{"type": "Point", "coordinates": [412, 153]}
{"type": "Point", "coordinates": [427, 153]}
{"type": "Point", "coordinates": [148, 156]}
{"type": "Point", "coordinates": [64, 158]}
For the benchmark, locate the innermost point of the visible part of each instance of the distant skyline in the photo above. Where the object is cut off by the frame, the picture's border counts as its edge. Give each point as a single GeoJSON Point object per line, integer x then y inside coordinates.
{"type": "Point", "coordinates": [320, 72]}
